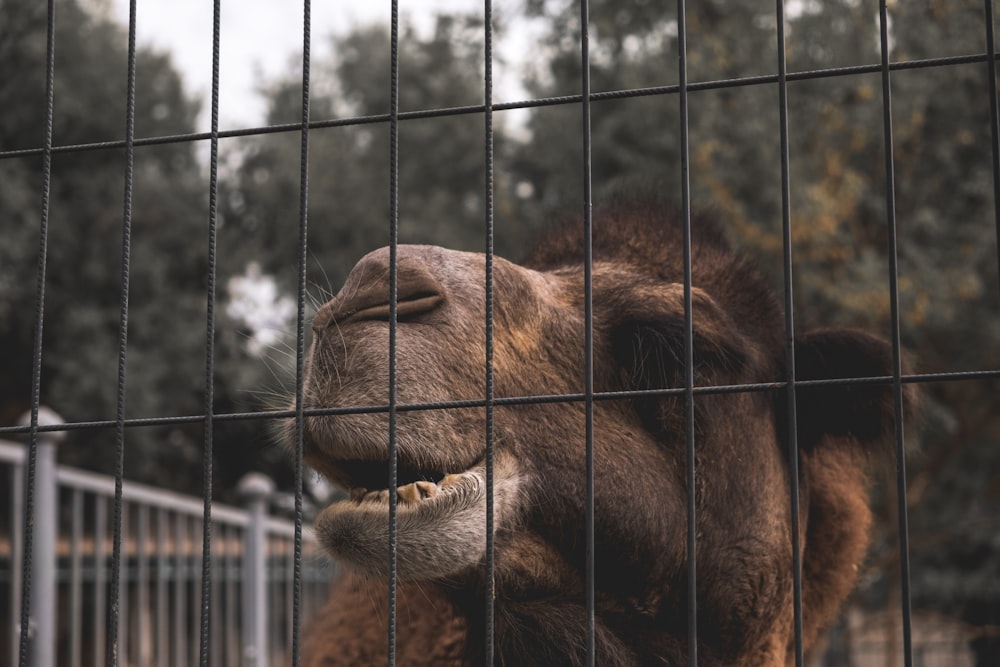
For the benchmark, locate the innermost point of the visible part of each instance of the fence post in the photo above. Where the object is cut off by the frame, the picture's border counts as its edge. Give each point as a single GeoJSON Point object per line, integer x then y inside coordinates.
{"type": "Point", "coordinates": [257, 489]}
{"type": "Point", "coordinates": [42, 623]}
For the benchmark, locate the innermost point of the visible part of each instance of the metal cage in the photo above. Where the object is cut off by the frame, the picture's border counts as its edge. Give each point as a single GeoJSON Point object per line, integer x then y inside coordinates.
{"type": "Point", "coordinates": [214, 576]}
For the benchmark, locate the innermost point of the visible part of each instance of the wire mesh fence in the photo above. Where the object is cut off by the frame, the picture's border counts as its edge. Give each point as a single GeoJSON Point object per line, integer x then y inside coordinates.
{"type": "Point", "coordinates": [200, 545]}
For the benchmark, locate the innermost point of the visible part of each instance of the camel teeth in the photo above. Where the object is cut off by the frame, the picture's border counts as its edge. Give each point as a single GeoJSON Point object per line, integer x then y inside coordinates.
{"type": "Point", "coordinates": [427, 489]}
{"type": "Point", "coordinates": [413, 492]}
{"type": "Point", "coordinates": [417, 491]}
{"type": "Point", "coordinates": [408, 493]}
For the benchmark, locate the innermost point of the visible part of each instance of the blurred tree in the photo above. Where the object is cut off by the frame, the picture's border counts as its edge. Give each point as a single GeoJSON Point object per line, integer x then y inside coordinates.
{"type": "Point", "coordinates": [165, 374]}
{"type": "Point", "coordinates": [441, 160]}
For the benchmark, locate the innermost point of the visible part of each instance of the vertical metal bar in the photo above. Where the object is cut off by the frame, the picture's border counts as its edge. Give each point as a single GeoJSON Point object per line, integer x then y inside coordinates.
{"type": "Point", "coordinates": [162, 622]}
{"type": "Point", "coordinates": [195, 607]}
{"type": "Point", "coordinates": [890, 203]}
{"type": "Point", "coordinates": [393, 282]}
{"type": "Point", "coordinates": [44, 561]}
{"type": "Point", "coordinates": [180, 590]}
{"type": "Point", "coordinates": [276, 628]}
{"type": "Point", "coordinates": [488, 190]}
{"type": "Point", "coordinates": [688, 338]}
{"type": "Point", "coordinates": [215, 609]}
{"type": "Point", "coordinates": [991, 71]}
{"type": "Point", "coordinates": [232, 617]}
{"type": "Point", "coordinates": [124, 621]}
{"type": "Point", "coordinates": [100, 614]}
{"type": "Point", "coordinates": [280, 574]}
{"type": "Point", "coordinates": [76, 579]}
{"type": "Point", "coordinates": [786, 236]}
{"type": "Point", "coordinates": [17, 477]}
{"type": "Point", "coordinates": [277, 590]}
{"type": "Point", "coordinates": [28, 517]}
{"type": "Point", "coordinates": [113, 639]}
{"type": "Point", "coordinates": [209, 405]}
{"type": "Point", "coordinates": [300, 322]}
{"type": "Point", "coordinates": [142, 644]}
{"type": "Point", "coordinates": [277, 573]}
{"type": "Point", "coordinates": [588, 331]}
{"type": "Point", "coordinates": [257, 489]}
{"type": "Point", "coordinates": [222, 607]}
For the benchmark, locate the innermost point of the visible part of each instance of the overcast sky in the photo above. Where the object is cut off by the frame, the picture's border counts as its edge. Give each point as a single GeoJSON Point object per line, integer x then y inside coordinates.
{"type": "Point", "coordinates": [258, 41]}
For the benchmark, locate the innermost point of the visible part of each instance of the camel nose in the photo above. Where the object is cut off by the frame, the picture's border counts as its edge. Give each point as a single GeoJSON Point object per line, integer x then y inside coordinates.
{"type": "Point", "coordinates": [365, 294]}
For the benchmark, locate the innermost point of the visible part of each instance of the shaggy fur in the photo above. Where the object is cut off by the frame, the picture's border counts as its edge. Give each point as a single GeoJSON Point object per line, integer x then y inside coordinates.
{"type": "Point", "coordinates": [744, 548]}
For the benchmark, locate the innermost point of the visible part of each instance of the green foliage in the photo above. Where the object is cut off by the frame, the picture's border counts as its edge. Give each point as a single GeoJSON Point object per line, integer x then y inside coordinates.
{"type": "Point", "coordinates": [169, 259]}
{"type": "Point", "coordinates": [441, 174]}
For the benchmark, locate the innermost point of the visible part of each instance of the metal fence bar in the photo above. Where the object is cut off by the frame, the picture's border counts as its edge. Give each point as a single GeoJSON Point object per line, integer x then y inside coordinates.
{"type": "Point", "coordinates": [216, 608]}
{"type": "Point", "coordinates": [162, 618]}
{"type": "Point", "coordinates": [119, 598]}
{"type": "Point", "coordinates": [17, 497]}
{"type": "Point", "coordinates": [393, 295]}
{"type": "Point", "coordinates": [786, 240]}
{"type": "Point", "coordinates": [588, 331]}
{"type": "Point", "coordinates": [116, 598]}
{"type": "Point", "coordinates": [28, 516]}
{"type": "Point", "coordinates": [991, 73]}
{"type": "Point", "coordinates": [100, 613]}
{"type": "Point", "coordinates": [290, 590]}
{"type": "Point", "coordinates": [195, 609]}
{"type": "Point", "coordinates": [301, 315]}
{"type": "Point", "coordinates": [692, 529]}
{"type": "Point", "coordinates": [488, 648]}
{"type": "Point", "coordinates": [271, 415]}
{"type": "Point", "coordinates": [76, 580]}
{"type": "Point", "coordinates": [890, 197]}
{"type": "Point", "coordinates": [43, 595]}
{"type": "Point", "coordinates": [180, 592]}
{"type": "Point", "coordinates": [763, 79]}
{"type": "Point", "coordinates": [233, 627]}
{"type": "Point", "coordinates": [207, 450]}
{"type": "Point", "coordinates": [758, 80]}
{"type": "Point", "coordinates": [256, 489]}
{"type": "Point", "coordinates": [144, 651]}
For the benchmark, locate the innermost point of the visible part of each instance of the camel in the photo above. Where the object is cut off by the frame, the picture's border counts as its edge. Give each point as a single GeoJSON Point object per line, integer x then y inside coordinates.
{"type": "Point", "coordinates": [744, 552]}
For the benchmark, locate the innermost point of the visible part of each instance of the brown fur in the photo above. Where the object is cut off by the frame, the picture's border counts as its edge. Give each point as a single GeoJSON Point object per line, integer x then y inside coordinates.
{"type": "Point", "coordinates": [744, 548]}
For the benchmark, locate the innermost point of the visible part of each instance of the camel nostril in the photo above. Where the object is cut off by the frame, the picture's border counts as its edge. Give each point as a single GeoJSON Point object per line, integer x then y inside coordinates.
{"type": "Point", "coordinates": [365, 295]}
{"type": "Point", "coordinates": [407, 306]}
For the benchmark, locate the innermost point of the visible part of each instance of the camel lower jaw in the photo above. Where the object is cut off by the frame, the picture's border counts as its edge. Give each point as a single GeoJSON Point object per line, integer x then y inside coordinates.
{"type": "Point", "coordinates": [440, 527]}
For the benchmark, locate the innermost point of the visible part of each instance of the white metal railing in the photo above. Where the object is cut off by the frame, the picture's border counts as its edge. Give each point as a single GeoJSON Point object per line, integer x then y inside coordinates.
{"type": "Point", "coordinates": [160, 578]}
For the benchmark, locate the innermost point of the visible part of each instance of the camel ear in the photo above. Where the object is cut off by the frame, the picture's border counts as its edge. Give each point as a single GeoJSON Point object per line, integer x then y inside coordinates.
{"type": "Point", "coordinates": [861, 412]}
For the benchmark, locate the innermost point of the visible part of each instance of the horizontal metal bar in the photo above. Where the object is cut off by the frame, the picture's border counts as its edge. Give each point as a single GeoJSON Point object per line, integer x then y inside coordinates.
{"type": "Point", "coordinates": [133, 492]}
{"type": "Point", "coordinates": [719, 84]}
{"type": "Point", "coordinates": [12, 453]}
{"type": "Point", "coordinates": [915, 378]}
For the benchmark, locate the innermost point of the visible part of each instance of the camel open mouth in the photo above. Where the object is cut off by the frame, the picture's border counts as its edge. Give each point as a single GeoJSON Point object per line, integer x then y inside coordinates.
{"type": "Point", "coordinates": [440, 520]}
{"type": "Point", "coordinates": [367, 486]}
{"type": "Point", "coordinates": [408, 493]}
{"type": "Point", "coordinates": [370, 478]}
